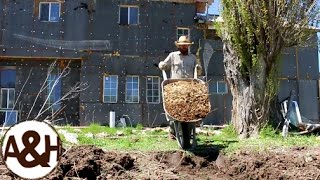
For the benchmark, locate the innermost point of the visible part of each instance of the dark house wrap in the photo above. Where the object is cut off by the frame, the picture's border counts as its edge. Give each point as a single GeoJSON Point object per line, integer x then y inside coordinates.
{"type": "Point", "coordinates": [113, 47]}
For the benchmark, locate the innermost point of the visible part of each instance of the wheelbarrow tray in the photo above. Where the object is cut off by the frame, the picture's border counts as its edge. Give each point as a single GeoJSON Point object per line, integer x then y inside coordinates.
{"type": "Point", "coordinates": [168, 81]}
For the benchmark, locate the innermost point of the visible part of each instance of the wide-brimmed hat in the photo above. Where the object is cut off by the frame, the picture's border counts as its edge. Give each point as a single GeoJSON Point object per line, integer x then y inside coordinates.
{"type": "Point", "coordinates": [183, 40]}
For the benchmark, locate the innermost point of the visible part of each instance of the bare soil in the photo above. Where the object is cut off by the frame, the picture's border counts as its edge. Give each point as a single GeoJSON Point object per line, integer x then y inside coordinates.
{"type": "Point", "coordinates": [89, 162]}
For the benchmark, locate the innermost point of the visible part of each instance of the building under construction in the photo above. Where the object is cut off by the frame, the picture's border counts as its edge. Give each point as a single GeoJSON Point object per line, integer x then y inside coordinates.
{"type": "Point", "coordinates": [104, 55]}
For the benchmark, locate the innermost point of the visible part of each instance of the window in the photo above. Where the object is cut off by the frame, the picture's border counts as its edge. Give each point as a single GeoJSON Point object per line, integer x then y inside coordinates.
{"type": "Point", "coordinates": [153, 89]}
{"type": "Point", "coordinates": [7, 86]}
{"type": "Point", "coordinates": [7, 98]}
{"type": "Point", "coordinates": [183, 32]}
{"type": "Point", "coordinates": [49, 11]}
{"type": "Point", "coordinates": [54, 91]}
{"type": "Point", "coordinates": [129, 15]}
{"type": "Point", "coordinates": [8, 118]}
{"type": "Point", "coordinates": [218, 87]}
{"type": "Point", "coordinates": [132, 89]}
{"type": "Point", "coordinates": [7, 78]}
{"type": "Point", "coordinates": [110, 89]}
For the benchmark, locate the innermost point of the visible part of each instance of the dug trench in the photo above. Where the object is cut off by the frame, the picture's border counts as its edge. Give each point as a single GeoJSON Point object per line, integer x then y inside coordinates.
{"type": "Point", "coordinates": [89, 162]}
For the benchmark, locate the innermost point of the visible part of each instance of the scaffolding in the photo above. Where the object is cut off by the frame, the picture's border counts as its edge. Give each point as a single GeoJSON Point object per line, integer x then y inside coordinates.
{"type": "Point", "coordinates": [201, 5]}
{"type": "Point", "coordinates": [188, 1]}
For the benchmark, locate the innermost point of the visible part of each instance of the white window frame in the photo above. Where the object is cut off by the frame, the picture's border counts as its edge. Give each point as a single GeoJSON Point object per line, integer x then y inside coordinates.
{"type": "Point", "coordinates": [128, 6]}
{"type": "Point", "coordinates": [183, 29]}
{"type": "Point", "coordinates": [132, 89]}
{"type": "Point", "coordinates": [152, 83]}
{"type": "Point", "coordinates": [8, 97]}
{"type": "Point", "coordinates": [50, 3]}
{"type": "Point", "coordinates": [117, 84]}
{"type": "Point", "coordinates": [216, 91]}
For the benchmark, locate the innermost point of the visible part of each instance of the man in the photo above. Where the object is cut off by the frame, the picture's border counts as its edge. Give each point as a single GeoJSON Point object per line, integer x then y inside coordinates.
{"type": "Point", "coordinates": [182, 65]}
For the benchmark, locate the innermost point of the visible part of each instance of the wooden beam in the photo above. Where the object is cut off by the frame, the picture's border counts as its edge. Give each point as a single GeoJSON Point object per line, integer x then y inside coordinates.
{"type": "Point", "coordinates": [8, 58]}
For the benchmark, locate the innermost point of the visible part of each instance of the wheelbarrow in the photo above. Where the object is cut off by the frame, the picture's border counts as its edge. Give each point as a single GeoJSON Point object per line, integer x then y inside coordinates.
{"type": "Point", "coordinates": [185, 131]}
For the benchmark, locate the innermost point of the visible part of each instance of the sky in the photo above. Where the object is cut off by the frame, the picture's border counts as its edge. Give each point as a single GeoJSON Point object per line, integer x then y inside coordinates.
{"type": "Point", "coordinates": [214, 8]}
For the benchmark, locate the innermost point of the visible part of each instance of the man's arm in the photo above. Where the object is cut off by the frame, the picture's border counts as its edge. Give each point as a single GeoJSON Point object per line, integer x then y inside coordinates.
{"type": "Point", "coordinates": [166, 64]}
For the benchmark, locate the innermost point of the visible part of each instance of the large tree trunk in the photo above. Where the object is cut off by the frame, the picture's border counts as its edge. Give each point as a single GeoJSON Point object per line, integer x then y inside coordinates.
{"type": "Point", "coordinates": [254, 34]}
{"type": "Point", "coordinates": [251, 99]}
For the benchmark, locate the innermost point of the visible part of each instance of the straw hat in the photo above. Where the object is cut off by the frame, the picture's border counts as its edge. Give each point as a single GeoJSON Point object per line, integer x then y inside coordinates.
{"type": "Point", "coordinates": [183, 40]}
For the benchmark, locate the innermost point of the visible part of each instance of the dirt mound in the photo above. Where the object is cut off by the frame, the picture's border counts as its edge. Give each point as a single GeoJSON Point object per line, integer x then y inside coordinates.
{"type": "Point", "coordinates": [295, 163]}
{"type": "Point", "coordinates": [92, 163]}
{"type": "Point", "coordinates": [89, 162]}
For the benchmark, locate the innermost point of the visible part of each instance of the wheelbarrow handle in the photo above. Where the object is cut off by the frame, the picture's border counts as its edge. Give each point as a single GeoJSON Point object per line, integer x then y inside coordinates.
{"type": "Point", "coordinates": [164, 74]}
{"type": "Point", "coordinates": [195, 73]}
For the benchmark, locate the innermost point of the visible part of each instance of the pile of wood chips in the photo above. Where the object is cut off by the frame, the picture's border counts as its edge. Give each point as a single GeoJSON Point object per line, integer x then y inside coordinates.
{"type": "Point", "coordinates": [186, 100]}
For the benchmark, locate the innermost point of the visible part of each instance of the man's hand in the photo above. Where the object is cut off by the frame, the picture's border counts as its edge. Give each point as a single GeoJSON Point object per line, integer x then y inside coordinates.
{"type": "Point", "coordinates": [162, 65]}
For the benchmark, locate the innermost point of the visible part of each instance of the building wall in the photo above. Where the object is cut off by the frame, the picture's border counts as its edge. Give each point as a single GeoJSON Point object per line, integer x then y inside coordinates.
{"type": "Point", "coordinates": [299, 73]}
{"type": "Point", "coordinates": [140, 47]}
{"type": "Point", "coordinates": [127, 49]}
{"type": "Point", "coordinates": [221, 102]}
{"type": "Point", "coordinates": [92, 106]}
{"type": "Point", "coordinates": [30, 79]}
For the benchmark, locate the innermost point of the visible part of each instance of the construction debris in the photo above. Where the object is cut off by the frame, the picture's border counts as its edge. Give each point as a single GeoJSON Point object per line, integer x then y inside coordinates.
{"type": "Point", "coordinates": [69, 137]}
{"type": "Point", "coordinates": [187, 100]}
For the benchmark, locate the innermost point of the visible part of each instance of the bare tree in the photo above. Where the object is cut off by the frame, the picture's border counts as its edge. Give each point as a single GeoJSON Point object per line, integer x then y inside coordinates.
{"type": "Point", "coordinates": [72, 93]}
{"type": "Point", "coordinates": [254, 33]}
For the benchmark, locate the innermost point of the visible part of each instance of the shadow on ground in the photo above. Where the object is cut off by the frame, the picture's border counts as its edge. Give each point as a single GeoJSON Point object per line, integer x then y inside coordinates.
{"type": "Point", "coordinates": [210, 151]}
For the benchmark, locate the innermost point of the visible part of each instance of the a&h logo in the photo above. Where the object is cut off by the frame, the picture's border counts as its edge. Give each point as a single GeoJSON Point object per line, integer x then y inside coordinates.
{"type": "Point", "coordinates": [31, 149]}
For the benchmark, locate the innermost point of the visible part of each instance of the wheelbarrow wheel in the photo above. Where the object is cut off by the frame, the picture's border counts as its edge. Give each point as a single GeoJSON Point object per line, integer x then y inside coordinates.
{"type": "Point", "coordinates": [185, 134]}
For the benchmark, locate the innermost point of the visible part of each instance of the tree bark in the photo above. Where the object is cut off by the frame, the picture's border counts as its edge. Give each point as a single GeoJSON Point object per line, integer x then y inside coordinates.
{"type": "Point", "coordinates": [251, 99]}
{"type": "Point", "coordinates": [275, 116]}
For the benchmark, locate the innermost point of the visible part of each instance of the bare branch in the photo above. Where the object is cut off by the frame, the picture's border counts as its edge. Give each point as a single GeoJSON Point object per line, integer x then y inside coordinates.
{"type": "Point", "coordinates": [43, 87]}
{"type": "Point", "coordinates": [64, 73]}
{"type": "Point", "coordinates": [74, 91]}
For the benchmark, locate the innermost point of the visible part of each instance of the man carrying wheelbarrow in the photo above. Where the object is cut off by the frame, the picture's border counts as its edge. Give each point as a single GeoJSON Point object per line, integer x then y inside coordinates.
{"type": "Point", "coordinates": [182, 65]}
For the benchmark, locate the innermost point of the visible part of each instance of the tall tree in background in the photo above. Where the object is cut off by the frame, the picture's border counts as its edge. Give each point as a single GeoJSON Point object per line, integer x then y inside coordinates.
{"type": "Point", "coordinates": [254, 32]}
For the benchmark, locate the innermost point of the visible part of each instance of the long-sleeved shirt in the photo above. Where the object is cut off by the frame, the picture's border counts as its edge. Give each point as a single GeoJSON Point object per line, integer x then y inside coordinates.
{"type": "Point", "coordinates": [181, 66]}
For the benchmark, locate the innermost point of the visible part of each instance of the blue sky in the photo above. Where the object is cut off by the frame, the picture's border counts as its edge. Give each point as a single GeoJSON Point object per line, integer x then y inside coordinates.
{"type": "Point", "coordinates": [214, 8]}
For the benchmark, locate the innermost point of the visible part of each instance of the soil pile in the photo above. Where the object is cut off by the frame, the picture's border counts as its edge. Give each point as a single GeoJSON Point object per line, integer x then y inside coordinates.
{"type": "Point", "coordinates": [187, 100]}
{"type": "Point", "coordinates": [92, 163]}
{"type": "Point", "coordinates": [295, 163]}
{"type": "Point", "coordinates": [89, 162]}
